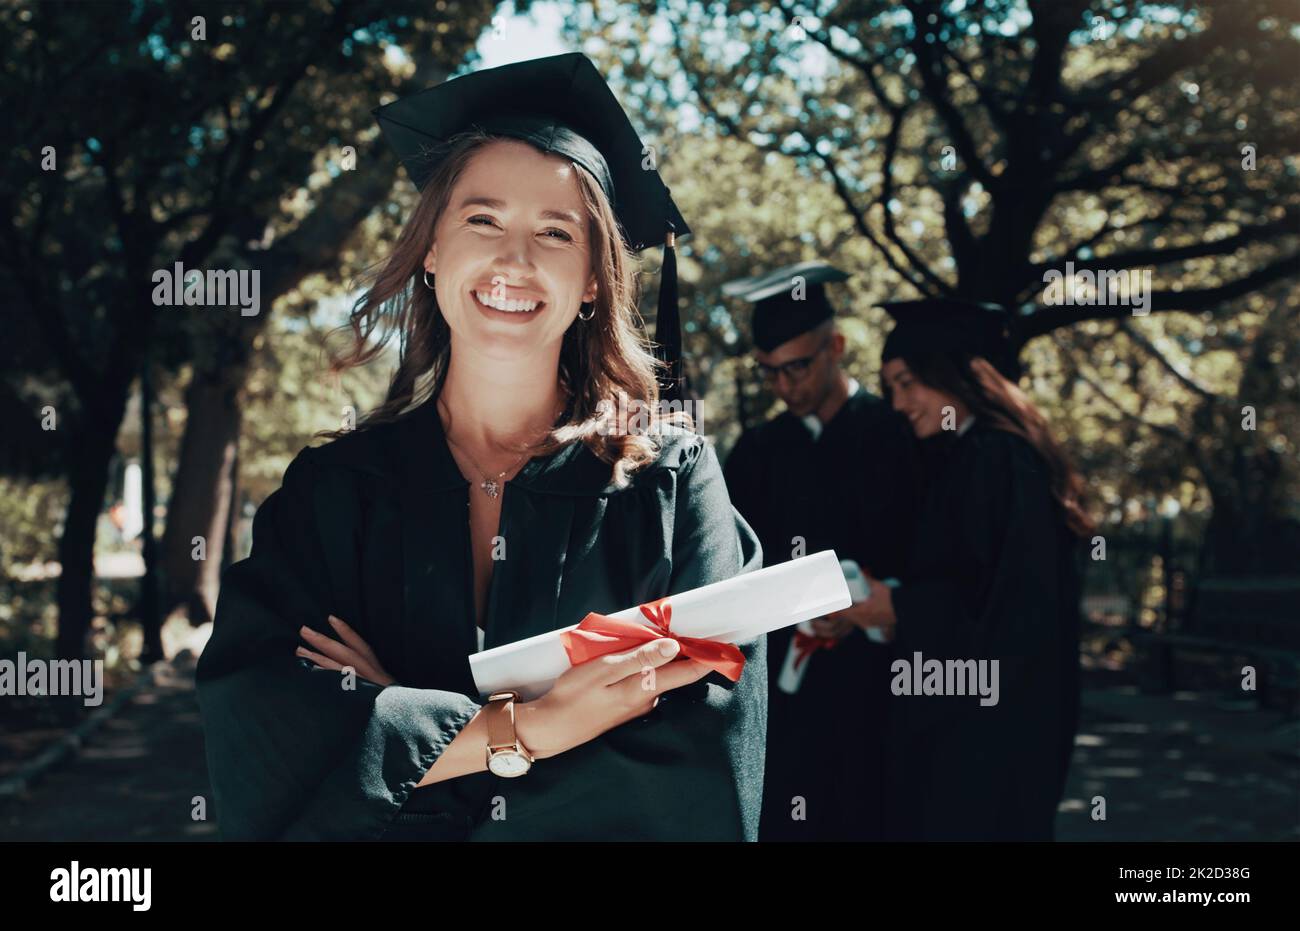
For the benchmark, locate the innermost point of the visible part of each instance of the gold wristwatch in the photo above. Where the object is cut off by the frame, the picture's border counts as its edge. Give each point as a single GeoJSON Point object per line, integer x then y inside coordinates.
{"type": "Point", "coordinates": [506, 756]}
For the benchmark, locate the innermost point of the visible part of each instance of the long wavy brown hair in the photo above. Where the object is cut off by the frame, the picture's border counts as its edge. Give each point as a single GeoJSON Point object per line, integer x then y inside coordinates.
{"type": "Point", "coordinates": [1002, 404]}
{"type": "Point", "coordinates": [605, 362]}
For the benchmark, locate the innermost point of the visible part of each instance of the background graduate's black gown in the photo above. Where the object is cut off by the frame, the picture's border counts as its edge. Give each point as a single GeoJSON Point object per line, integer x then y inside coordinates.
{"type": "Point", "coordinates": [848, 490]}
{"type": "Point", "coordinates": [994, 575]}
{"type": "Point", "coordinates": [373, 528]}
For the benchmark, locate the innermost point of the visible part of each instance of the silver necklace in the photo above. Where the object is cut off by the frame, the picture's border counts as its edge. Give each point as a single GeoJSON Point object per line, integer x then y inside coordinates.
{"type": "Point", "coordinates": [491, 486]}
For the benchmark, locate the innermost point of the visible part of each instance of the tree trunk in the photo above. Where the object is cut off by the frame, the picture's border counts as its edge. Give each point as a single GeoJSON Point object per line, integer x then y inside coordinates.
{"type": "Point", "coordinates": [1249, 533]}
{"type": "Point", "coordinates": [147, 606]}
{"type": "Point", "coordinates": [202, 491]}
{"type": "Point", "coordinates": [89, 459]}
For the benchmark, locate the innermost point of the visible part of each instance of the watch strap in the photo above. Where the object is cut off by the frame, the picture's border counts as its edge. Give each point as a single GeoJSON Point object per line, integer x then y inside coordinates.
{"type": "Point", "coordinates": [501, 721]}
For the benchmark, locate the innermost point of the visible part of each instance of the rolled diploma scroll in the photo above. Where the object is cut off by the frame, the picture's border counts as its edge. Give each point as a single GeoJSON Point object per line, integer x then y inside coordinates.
{"type": "Point", "coordinates": [791, 674]}
{"type": "Point", "coordinates": [731, 611]}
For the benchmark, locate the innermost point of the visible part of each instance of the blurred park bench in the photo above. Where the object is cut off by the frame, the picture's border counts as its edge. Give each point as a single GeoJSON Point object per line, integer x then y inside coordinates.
{"type": "Point", "coordinates": [1236, 622]}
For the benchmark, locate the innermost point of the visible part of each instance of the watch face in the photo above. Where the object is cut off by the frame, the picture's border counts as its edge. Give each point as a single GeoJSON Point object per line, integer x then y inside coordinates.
{"type": "Point", "coordinates": [508, 763]}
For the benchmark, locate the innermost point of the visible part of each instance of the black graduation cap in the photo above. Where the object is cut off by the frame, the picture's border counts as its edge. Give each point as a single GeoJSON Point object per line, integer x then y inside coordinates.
{"type": "Point", "coordinates": [787, 302]}
{"type": "Point", "coordinates": [559, 104]}
{"type": "Point", "coordinates": [970, 328]}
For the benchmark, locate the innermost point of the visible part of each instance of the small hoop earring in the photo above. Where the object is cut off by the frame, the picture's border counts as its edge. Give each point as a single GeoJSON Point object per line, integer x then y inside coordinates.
{"type": "Point", "coordinates": [590, 315]}
{"type": "Point", "coordinates": [426, 280]}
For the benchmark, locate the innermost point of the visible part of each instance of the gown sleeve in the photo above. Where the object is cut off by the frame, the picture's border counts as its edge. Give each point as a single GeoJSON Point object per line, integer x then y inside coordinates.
{"type": "Point", "coordinates": [292, 753]}
{"type": "Point", "coordinates": [712, 541]}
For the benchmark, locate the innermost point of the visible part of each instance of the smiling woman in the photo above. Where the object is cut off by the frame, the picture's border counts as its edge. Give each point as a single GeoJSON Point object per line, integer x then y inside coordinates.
{"type": "Point", "coordinates": [532, 258]}
{"type": "Point", "coordinates": [992, 583]}
{"type": "Point", "coordinates": [336, 690]}
{"type": "Point", "coordinates": [517, 265]}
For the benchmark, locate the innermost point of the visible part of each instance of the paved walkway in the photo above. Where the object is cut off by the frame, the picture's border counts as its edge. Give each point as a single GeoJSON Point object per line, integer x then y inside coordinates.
{"type": "Point", "coordinates": [1171, 768]}
{"type": "Point", "coordinates": [133, 781]}
{"type": "Point", "coordinates": [1182, 768]}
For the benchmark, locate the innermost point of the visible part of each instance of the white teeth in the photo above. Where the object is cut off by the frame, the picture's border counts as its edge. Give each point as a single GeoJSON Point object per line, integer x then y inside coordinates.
{"type": "Point", "coordinates": [513, 307]}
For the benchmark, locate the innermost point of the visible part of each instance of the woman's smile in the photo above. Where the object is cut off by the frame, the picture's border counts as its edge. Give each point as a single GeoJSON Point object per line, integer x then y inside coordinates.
{"type": "Point", "coordinates": [500, 308]}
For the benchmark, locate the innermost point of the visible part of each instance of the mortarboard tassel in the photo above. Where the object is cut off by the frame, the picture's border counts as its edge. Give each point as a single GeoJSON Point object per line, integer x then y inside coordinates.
{"type": "Point", "coordinates": [668, 332]}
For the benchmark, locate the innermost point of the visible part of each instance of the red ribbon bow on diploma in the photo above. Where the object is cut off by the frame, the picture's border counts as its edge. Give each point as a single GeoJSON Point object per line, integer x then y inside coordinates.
{"type": "Point", "coordinates": [600, 635]}
{"type": "Point", "coordinates": [806, 645]}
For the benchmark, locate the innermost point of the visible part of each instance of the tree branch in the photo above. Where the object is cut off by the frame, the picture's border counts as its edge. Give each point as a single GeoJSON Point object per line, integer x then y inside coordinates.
{"type": "Point", "coordinates": [49, 319]}
{"type": "Point", "coordinates": [1053, 21]}
{"type": "Point", "coordinates": [1165, 429]}
{"type": "Point", "coordinates": [887, 194]}
{"type": "Point", "coordinates": [860, 222]}
{"type": "Point", "coordinates": [245, 144]}
{"type": "Point", "coordinates": [934, 83]}
{"type": "Point", "coordinates": [1110, 175]}
{"type": "Point", "coordinates": [996, 112]}
{"type": "Point", "coordinates": [1137, 258]}
{"type": "Point", "coordinates": [864, 65]}
{"type": "Point", "coordinates": [841, 188]}
{"type": "Point", "coordinates": [1104, 102]}
{"type": "Point", "coordinates": [1046, 319]}
{"type": "Point", "coordinates": [1150, 348]}
{"type": "Point", "coordinates": [965, 249]}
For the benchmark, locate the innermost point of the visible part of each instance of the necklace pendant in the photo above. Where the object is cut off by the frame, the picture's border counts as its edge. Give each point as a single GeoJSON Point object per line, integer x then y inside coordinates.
{"type": "Point", "coordinates": [491, 488]}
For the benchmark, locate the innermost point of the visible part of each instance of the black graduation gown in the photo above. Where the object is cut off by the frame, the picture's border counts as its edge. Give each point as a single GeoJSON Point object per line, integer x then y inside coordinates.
{"type": "Point", "coordinates": [994, 575]}
{"type": "Point", "coordinates": [825, 744]}
{"type": "Point", "coordinates": [373, 528]}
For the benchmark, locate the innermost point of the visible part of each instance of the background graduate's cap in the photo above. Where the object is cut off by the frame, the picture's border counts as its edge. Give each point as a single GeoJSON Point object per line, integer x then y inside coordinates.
{"type": "Point", "coordinates": [970, 328]}
{"type": "Point", "coordinates": [788, 301]}
{"type": "Point", "coordinates": [560, 105]}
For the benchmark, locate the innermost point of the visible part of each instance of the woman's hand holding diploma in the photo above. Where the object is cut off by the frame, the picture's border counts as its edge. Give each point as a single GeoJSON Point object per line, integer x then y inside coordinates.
{"type": "Point", "coordinates": [601, 694]}
{"type": "Point", "coordinates": [585, 702]}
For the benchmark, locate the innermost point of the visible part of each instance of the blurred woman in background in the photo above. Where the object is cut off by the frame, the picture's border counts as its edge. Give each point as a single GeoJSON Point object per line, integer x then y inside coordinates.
{"type": "Point", "coordinates": [979, 750]}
